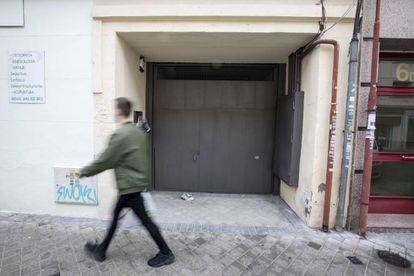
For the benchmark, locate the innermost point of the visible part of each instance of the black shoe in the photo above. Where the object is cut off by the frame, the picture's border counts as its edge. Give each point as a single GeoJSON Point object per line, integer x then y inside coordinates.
{"type": "Point", "coordinates": [161, 259]}
{"type": "Point", "coordinates": [93, 250]}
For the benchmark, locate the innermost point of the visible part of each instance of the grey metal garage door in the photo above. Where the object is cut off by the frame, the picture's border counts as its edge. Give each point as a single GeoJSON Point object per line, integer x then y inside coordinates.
{"type": "Point", "coordinates": [214, 135]}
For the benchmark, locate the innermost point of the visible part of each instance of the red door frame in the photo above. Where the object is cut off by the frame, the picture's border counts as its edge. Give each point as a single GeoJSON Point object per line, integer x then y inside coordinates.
{"type": "Point", "coordinates": [393, 204]}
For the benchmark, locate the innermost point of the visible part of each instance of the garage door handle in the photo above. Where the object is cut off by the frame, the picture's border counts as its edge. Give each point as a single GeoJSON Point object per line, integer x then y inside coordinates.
{"type": "Point", "coordinates": [195, 156]}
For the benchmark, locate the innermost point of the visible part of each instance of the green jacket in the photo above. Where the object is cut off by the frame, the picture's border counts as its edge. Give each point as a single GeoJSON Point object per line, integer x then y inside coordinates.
{"type": "Point", "coordinates": [127, 154]}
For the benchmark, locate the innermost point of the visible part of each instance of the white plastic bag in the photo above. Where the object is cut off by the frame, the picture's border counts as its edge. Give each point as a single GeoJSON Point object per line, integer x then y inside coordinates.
{"type": "Point", "coordinates": [149, 203]}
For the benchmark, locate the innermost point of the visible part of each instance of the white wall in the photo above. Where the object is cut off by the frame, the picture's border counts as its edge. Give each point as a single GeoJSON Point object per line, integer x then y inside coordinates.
{"type": "Point", "coordinates": [282, 9]}
{"type": "Point", "coordinates": [36, 137]}
{"type": "Point", "coordinates": [130, 82]}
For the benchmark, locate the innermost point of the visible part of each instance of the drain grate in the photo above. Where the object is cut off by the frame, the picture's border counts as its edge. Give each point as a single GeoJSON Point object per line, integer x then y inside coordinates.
{"type": "Point", "coordinates": [314, 245]}
{"type": "Point", "coordinates": [394, 259]}
{"type": "Point", "coordinates": [354, 259]}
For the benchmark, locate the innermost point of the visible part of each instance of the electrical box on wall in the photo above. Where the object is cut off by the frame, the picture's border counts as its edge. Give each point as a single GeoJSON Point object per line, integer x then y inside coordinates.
{"type": "Point", "coordinates": [138, 115]}
{"type": "Point", "coordinates": [289, 121]}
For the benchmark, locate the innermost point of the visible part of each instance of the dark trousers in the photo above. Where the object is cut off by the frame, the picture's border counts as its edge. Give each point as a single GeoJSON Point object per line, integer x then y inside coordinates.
{"type": "Point", "coordinates": [136, 203]}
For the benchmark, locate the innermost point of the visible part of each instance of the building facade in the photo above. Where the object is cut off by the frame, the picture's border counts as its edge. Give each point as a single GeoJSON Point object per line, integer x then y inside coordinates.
{"type": "Point", "coordinates": [391, 200]}
{"type": "Point", "coordinates": [216, 89]}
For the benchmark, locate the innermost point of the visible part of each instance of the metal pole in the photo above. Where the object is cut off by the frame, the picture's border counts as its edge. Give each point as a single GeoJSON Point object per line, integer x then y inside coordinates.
{"type": "Point", "coordinates": [370, 131]}
{"type": "Point", "coordinates": [349, 119]}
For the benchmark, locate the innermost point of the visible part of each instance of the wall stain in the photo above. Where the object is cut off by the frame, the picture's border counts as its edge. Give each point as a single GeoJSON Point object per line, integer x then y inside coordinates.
{"type": "Point", "coordinates": [308, 204]}
{"type": "Point", "coordinates": [322, 187]}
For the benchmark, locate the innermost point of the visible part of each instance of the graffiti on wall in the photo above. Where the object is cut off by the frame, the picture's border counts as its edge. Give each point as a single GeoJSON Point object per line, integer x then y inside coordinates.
{"type": "Point", "coordinates": [69, 188]}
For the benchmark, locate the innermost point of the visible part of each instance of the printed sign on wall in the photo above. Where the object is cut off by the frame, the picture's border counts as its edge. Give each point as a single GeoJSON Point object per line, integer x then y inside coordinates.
{"type": "Point", "coordinates": [27, 77]}
{"type": "Point", "coordinates": [69, 188]}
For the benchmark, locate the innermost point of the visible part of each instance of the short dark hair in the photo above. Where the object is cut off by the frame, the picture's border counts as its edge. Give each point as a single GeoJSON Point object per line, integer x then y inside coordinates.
{"type": "Point", "coordinates": [124, 105]}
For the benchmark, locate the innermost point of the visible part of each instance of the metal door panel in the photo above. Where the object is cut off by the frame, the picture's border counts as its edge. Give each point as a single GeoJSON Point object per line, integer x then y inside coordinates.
{"type": "Point", "coordinates": [229, 123]}
{"type": "Point", "coordinates": [236, 142]}
{"type": "Point", "coordinates": [215, 153]}
{"type": "Point", "coordinates": [245, 98]}
{"type": "Point", "coordinates": [170, 95]}
{"type": "Point", "coordinates": [289, 137]}
{"type": "Point", "coordinates": [265, 95]}
{"type": "Point", "coordinates": [213, 94]}
{"type": "Point", "coordinates": [228, 93]}
{"type": "Point", "coordinates": [176, 142]}
{"type": "Point", "coordinates": [194, 94]}
{"type": "Point", "coordinates": [241, 148]}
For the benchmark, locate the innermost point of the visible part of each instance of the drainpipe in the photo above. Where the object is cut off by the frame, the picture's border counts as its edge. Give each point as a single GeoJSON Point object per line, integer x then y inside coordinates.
{"type": "Point", "coordinates": [349, 118]}
{"type": "Point", "coordinates": [370, 130]}
{"type": "Point", "coordinates": [332, 128]}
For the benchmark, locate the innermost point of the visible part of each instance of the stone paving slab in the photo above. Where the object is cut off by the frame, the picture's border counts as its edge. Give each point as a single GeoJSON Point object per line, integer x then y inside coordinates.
{"type": "Point", "coordinates": [220, 210]}
{"type": "Point", "coordinates": [47, 245]}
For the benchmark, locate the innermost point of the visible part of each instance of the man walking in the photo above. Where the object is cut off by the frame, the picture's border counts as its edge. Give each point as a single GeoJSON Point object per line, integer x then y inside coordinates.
{"type": "Point", "coordinates": [126, 153]}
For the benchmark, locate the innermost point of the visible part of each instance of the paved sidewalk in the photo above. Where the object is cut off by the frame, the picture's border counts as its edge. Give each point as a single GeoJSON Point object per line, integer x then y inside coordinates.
{"type": "Point", "coordinates": [46, 245]}
{"type": "Point", "coordinates": [247, 214]}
